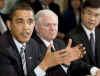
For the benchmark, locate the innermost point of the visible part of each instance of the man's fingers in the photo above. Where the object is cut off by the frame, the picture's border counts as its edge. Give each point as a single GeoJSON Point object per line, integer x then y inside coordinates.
{"type": "Point", "coordinates": [79, 46]}
{"type": "Point", "coordinates": [69, 43]}
{"type": "Point", "coordinates": [49, 49]}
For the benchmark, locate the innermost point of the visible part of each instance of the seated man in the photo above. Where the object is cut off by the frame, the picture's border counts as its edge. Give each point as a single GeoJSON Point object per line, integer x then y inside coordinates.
{"type": "Point", "coordinates": [87, 34]}
{"type": "Point", "coordinates": [54, 59]}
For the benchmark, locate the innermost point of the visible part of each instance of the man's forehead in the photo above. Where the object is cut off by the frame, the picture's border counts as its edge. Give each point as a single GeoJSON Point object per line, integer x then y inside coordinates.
{"type": "Point", "coordinates": [23, 12]}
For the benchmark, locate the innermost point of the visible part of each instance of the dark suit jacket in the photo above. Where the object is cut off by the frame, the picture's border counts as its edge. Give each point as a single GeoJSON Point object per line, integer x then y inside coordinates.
{"type": "Point", "coordinates": [10, 60]}
{"type": "Point", "coordinates": [58, 44]}
{"type": "Point", "coordinates": [78, 35]}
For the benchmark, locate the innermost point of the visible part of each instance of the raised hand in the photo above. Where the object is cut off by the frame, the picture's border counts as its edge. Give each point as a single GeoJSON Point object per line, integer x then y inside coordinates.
{"type": "Point", "coordinates": [63, 56]}
{"type": "Point", "coordinates": [73, 53]}
{"type": "Point", "coordinates": [52, 58]}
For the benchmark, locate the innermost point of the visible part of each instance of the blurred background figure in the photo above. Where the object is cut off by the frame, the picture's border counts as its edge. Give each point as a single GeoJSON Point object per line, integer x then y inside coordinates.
{"type": "Point", "coordinates": [30, 2]}
{"type": "Point", "coordinates": [2, 4]}
{"type": "Point", "coordinates": [46, 4]}
{"type": "Point", "coordinates": [71, 16]}
{"type": "Point", "coordinates": [9, 4]}
{"type": "Point", "coordinates": [2, 17]}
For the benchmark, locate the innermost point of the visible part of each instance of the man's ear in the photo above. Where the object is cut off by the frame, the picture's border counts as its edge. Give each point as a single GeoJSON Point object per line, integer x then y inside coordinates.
{"type": "Point", "coordinates": [8, 24]}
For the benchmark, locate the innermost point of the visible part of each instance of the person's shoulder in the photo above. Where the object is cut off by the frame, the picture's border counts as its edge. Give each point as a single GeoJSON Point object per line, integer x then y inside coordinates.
{"type": "Point", "coordinates": [59, 41]}
{"type": "Point", "coordinates": [4, 40]}
{"type": "Point", "coordinates": [98, 29]}
{"type": "Point", "coordinates": [76, 30]}
{"type": "Point", "coordinates": [33, 41]}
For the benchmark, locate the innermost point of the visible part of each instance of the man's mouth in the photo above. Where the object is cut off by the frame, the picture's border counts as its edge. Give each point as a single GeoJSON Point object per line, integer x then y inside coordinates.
{"type": "Point", "coordinates": [25, 34]}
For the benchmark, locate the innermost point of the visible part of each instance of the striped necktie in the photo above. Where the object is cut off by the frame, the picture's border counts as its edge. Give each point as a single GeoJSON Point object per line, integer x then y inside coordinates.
{"type": "Point", "coordinates": [22, 54]}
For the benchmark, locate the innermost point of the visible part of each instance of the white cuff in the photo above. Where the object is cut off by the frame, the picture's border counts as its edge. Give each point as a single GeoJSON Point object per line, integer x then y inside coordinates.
{"type": "Point", "coordinates": [39, 72]}
{"type": "Point", "coordinates": [93, 70]}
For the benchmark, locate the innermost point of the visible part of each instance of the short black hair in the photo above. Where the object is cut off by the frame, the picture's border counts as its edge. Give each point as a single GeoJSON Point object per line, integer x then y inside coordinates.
{"type": "Point", "coordinates": [91, 4]}
{"type": "Point", "coordinates": [20, 6]}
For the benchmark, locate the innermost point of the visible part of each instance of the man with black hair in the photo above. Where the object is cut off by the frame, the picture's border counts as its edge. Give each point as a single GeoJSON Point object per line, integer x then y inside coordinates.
{"type": "Point", "coordinates": [87, 34]}
{"type": "Point", "coordinates": [13, 61]}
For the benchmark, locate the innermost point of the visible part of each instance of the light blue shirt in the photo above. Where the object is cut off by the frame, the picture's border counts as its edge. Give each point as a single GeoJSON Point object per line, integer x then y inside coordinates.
{"type": "Point", "coordinates": [18, 44]}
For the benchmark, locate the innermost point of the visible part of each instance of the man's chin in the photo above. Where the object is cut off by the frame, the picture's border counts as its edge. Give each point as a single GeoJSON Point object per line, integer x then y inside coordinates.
{"type": "Point", "coordinates": [24, 40]}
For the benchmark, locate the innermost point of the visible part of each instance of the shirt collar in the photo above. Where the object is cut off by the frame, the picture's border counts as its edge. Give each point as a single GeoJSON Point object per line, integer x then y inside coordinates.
{"type": "Point", "coordinates": [88, 31]}
{"type": "Point", "coordinates": [18, 44]}
{"type": "Point", "coordinates": [47, 43]}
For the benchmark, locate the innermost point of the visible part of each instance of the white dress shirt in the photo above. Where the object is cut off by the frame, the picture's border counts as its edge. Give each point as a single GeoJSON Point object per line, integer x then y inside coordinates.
{"type": "Point", "coordinates": [18, 44]}
{"type": "Point", "coordinates": [88, 32]}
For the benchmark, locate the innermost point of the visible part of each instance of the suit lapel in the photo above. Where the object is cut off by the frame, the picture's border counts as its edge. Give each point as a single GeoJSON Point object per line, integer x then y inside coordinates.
{"type": "Point", "coordinates": [97, 38]}
{"type": "Point", "coordinates": [13, 53]}
{"type": "Point", "coordinates": [86, 43]}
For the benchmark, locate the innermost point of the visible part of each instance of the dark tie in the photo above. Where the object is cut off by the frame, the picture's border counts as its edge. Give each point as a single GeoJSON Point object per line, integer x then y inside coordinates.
{"type": "Point", "coordinates": [52, 49]}
{"type": "Point", "coordinates": [92, 43]}
{"type": "Point", "coordinates": [22, 54]}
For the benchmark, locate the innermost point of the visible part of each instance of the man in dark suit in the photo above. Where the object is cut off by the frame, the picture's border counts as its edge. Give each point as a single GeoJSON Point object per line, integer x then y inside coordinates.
{"type": "Point", "coordinates": [19, 54]}
{"type": "Point", "coordinates": [12, 61]}
{"type": "Point", "coordinates": [88, 34]}
{"type": "Point", "coordinates": [46, 32]}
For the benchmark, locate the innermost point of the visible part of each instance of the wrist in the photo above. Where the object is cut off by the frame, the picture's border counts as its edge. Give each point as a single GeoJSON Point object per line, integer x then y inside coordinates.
{"type": "Point", "coordinates": [43, 66]}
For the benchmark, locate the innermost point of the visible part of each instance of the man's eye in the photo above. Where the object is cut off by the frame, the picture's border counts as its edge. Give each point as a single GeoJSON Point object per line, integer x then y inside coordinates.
{"type": "Point", "coordinates": [19, 21]}
{"type": "Point", "coordinates": [97, 15]}
{"type": "Point", "coordinates": [55, 24]}
{"type": "Point", "coordinates": [30, 21]}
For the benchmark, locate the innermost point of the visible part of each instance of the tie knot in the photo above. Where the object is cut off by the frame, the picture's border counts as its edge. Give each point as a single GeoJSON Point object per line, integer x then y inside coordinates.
{"type": "Point", "coordinates": [91, 34]}
{"type": "Point", "coordinates": [22, 49]}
